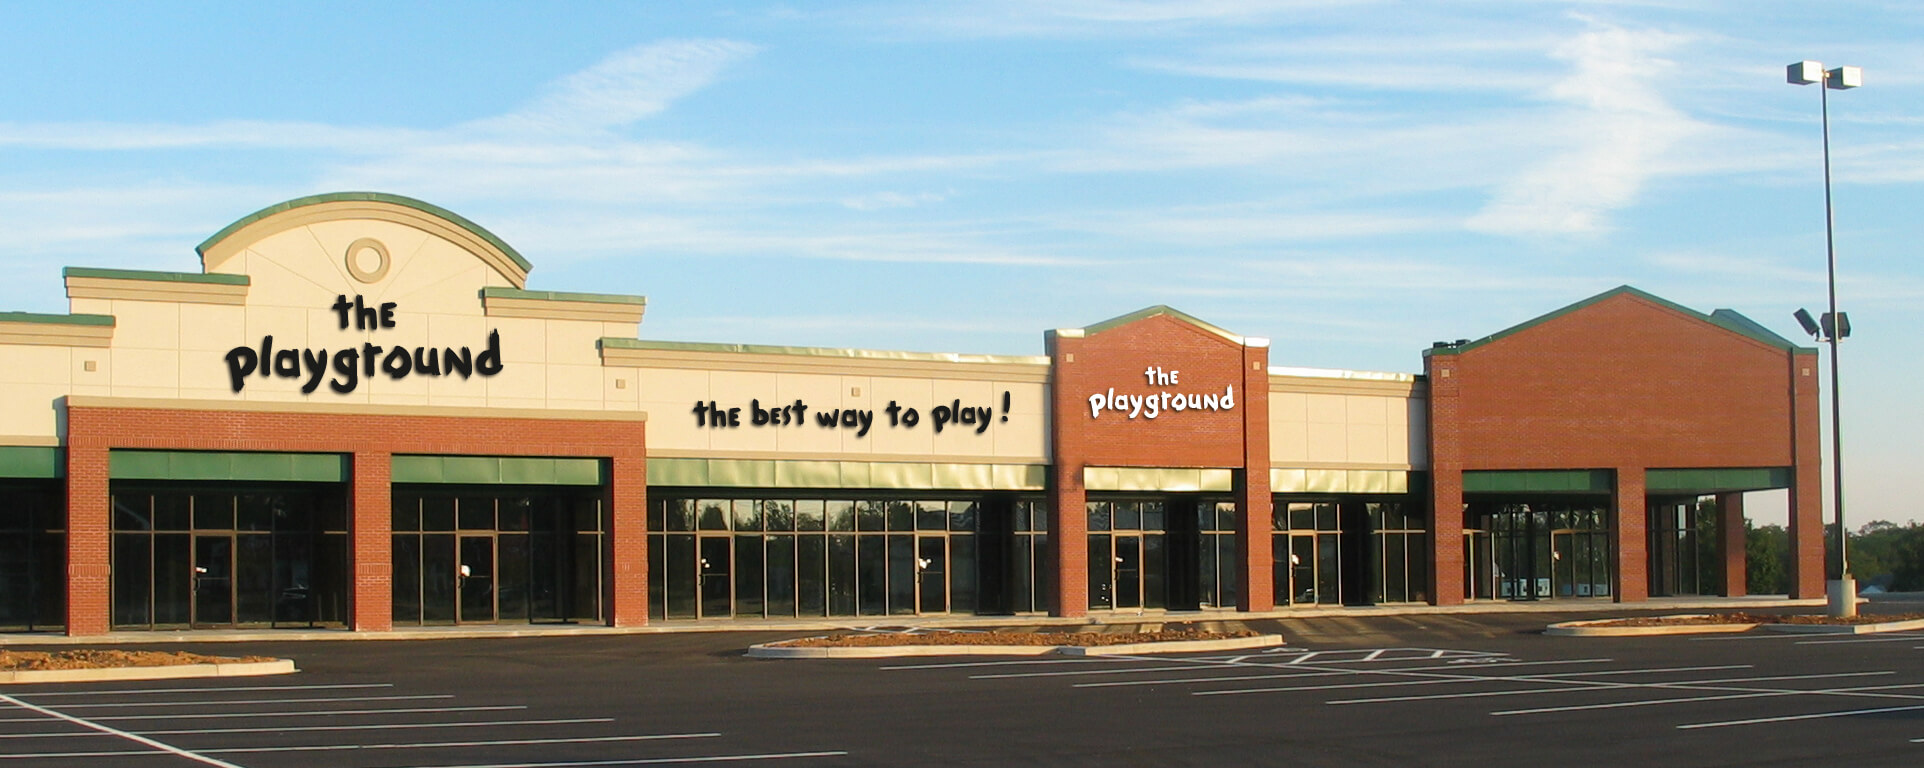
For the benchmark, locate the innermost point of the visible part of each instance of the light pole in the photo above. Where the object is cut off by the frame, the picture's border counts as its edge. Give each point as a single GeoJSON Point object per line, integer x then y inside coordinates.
{"type": "Point", "coordinates": [1842, 589]}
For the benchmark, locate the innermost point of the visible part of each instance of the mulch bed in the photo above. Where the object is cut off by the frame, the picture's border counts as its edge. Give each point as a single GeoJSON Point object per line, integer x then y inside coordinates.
{"type": "Point", "coordinates": [1007, 638]}
{"type": "Point", "coordinates": [1756, 618]}
{"type": "Point", "coordinates": [102, 659]}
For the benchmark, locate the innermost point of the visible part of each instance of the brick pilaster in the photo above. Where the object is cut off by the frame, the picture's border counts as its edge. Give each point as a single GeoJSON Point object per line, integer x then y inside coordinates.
{"type": "Point", "coordinates": [628, 541]}
{"type": "Point", "coordinates": [373, 542]}
{"type": "Point", "coordinates": [1731, 542]}
{"type": "Point", "coordinates": [1257, 587]}
{"type": "Point", "coordinates": [1628, 536]}
{"type": "Point", "coordinates": [89, 580]}
{"type": "Point", "coordinates": [1807, 571]}
{"type": "Point", "coordinates": [1446, 479]}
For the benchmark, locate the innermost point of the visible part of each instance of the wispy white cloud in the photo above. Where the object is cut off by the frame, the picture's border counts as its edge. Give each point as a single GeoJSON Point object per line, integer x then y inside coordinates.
{"type": "Point", "coordinates": [623, 88]}
{"type": "Point", "coordinates": [1617, 129]}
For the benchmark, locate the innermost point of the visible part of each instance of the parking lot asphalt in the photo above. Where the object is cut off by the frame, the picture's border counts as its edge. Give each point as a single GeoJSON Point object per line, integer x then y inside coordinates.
{"type": "Point", "coordinates": [1405, 690]}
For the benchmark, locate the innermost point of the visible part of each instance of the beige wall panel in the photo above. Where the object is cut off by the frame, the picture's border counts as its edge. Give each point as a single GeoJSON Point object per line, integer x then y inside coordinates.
{"type": "Point", "coordinates": [573, 343]}
{"type": "Point", "coordinates": [1289, 442]}
{"type": "Point", "coordinates": [457, 331]}
{"type": "Point", "coordinates": [288, 325]}
{"type": "Point", "coordinates": [1326, 409]}
{"type": "Point", "coordinates": [579, 383]}
{"type": "Point", "coordinates": [1026, 434]}
{"type": "Point", "coordinates": [1328, 442]}
{"type": "Point", "coordinates": [1367, 409]}
{"type": "Point", "coordinates": [1396, 433]}
{"type": "Point", "coordinates": [517, 382]}
{"type": "Point", "coordinates": [618, 390]}
{"type": "Point", "coordinates": [523, 340]}
{"type": "Point", "coordinates": [28, 409]}
{"type": "Point", "coordinates": [1368, 444]}
{"type": "Point", "coordinates": [908, 393]}
{"type": "Point", "coordinates": [621, 330]}
{"type": "Point", "coordinates": [150, 370]}
{"type": "Point", "coordinates": [32, 364]}
{"type": "Point", "coordinates": [213, 327]}
{"type": "Point", "coordinates": [329, 251]}
{"type": "Point", "coordinates": [146, 324]}
{"type": "Point", "coordinates": [85, 306]}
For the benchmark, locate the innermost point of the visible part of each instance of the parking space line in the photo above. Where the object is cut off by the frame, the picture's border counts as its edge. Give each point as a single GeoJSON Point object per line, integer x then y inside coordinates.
{"type": "Point", "coordinates": [1079, 672]}
{"type": "Point", "coordinates": [654, 760]}
{"type": "Point", "coordinates": [1236, 678]}
{"type": "Point", "coordinates": [312, 713]}
{"type": "Point", "coordinates": [132, 691]}
{"type": "Point", "coordinates": [421, 745]}
{"type": "Point", "coordinates": [1890, 637]}
{"type": "Point", "coordinates": [224, 702]}
{"type": "Point", "coordinates": [110, 730]}
{"type": "Point", "coordinates": [1571, 685]}
{"type": "Point", "coordinates": [293, 728]}
{"type": "Point", "coordinates": [1008, 663]}
{"type": "Point", "coordinates": [1427, 678]}
{"type": "Point", "coordinates": [1789, 718]}
{"type": "Point", "coordinates": [1750, 694]}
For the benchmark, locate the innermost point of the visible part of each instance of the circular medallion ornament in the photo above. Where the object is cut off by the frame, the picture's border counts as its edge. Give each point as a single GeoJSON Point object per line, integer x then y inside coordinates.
{"type": "Point", "coordinates": [367, 260]}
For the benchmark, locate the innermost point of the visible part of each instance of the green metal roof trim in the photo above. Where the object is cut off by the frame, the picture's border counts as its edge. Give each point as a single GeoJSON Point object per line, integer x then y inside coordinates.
{"type": "Point", "coordinates": [34, 317]}
{"type": "Point", "coordinates": [495, 470]}
{"type": "Point", "coordinates": [1721, 480]}
{"type": "Point", "coordinates": [31, 461]}
{"type": "Point", "coordinates": [1159, 309]}
{"type": "Point", "coordinates": [212, 465]}
{"type": "Point", "coordinates": [163, 277]}
{"type": "Point", "coordinates": [495, 291]}
{"type": "Point", "coordinates": [616, 342]}
{"type": "Point", "coordinates": [374, 197]}
{"type": "Point", "coordinates": [1726, 319]}
{"type": "Point", "coordinates": [1538, 481]}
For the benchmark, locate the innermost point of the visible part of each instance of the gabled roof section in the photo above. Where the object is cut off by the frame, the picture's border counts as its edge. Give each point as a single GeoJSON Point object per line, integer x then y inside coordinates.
{"type": "Point", "coordinates": [374, 205]}
{"type": "Point", "coordinates": [1729, 320]}
{"type": "Point", "coordinates": [1160, 309]}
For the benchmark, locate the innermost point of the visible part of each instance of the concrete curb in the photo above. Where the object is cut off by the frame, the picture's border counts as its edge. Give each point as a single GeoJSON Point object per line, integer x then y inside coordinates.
{"type": "Point", "coordinates": [888, 651]}
{"type": "Point", "coordinates": [1591, 628]}
{"type": "Point", "coordinates": [173, 672]}
{"type": "Point", "coordinates": [1847, 629]}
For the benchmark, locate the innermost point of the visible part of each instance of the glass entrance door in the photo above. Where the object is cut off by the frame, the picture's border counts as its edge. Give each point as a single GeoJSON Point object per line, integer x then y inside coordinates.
{"type": "Point", "coordinates": [1128, 572]}
{"type": "Point", "coordinates": [717, 597]}
{"type": "Point", "coordinates": [931, 573]}
{"type": "Point", "coordinates": [213, 581]}
{"type": "Point", "coordinates": [475, 580]}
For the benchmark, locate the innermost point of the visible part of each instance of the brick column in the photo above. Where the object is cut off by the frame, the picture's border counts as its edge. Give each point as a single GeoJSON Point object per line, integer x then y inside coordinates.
{"type": "Point", "coordinates": [89, 578]}
{"type": "Point", "coordinates": [1807, 565]}
{"type": "Point", "coordinates": [1731, 542]}
{"type": "Point", "coordinates": [372, 531]}
{"type": "Point", "coordinates": [628, 541]}
{"type": "Point", "coordinates": [1628, 536]}
{"type": "Point", "coordinates": [1069, 539]}
{"type": "Point", "coordinates": [1446, 480]}
{"type": "Point", "coordinates": [1256, 592]}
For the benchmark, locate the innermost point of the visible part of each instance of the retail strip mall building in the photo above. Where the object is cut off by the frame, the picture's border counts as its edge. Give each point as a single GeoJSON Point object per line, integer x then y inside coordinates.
{"type": "Point", "coordinates": [356, 415]}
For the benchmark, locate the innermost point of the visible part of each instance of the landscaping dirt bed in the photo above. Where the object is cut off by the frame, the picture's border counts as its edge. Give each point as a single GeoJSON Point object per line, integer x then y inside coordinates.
{"type": "Point", "coordinates": [103, 659]}
{"type": "Point", "coordinates": [1084, 639]}
{"type": "Point", "coordinates": [1755, 618]}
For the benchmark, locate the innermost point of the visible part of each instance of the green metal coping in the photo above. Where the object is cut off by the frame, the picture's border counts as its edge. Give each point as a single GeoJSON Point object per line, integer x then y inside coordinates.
{"type": "Point", "coordinates": [751, 473]}
{"type": "Point", "coordinates": [1159, 309]}
{"type": "Point", "coordinates": [1726, 319]}
{"type": "Point", "coordinates": [34, 317]}
{"type": "Point", "coordinates": [217, 278]}
{"type": "Point", "coordinates": [210, 465]}
{"type": "Point", "coordinates": [495, 470]}
{"type": "Point", "coordinates": [495, 291]}
{"type": "Point", "coordinates": [1720, 480]}
{"type": "Point", "coordinates": [29, 461]}
{"type": "Point", "coordinates": [375, 197]}
{"type": "Point", "coordinates": [616, 342]}
{"type": "Point", "coordinates": [1538, 481]}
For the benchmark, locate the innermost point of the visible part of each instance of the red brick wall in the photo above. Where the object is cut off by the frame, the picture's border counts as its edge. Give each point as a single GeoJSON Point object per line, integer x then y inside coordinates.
{"type": "Point", "coordinates": [370, 441]}
{"type": "Point", "coordinates": [1731, 544]}
{"type": "Point", "coordinates": [1807, 489]}
{"type": "Point", "coordinates": [1236, 438]}
{"type": "Point", "coordinates": [1624, 384]}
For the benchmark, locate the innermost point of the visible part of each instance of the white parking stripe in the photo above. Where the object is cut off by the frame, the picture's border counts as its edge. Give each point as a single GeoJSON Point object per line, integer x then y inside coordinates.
{"type": "Point", "coordinates": [1437, 679]}
{"type": "Point", "coordinates": [226, 702]}
{"type": "Point", "coordinates": [312, 713]}
{"type": "Point", "coordinates": [1818, 716]}
{"type": "Point", "coordinates": [1599, 685]}
{"type": "Point", "coordinates": [1859, 691]}
{"type": "Point", "coordinates": [132, 691]}
{"type": "Point", "coordinates": [424, 745]}
{"type": "Point", "coordinates": [292, 728]}
{"type": "Point", "coordinates": [654, 760]}
{"type": "Point", "coordinates": [1125, 671]}
{"type": "Point", "coordinates": [1009, 663]}
{"type": "Point", "coordinates": [1887, 638]}
{"type": "Point", "coordinates": [137, 739]}
{"type": "Point", "coordinates": [1234, 678]}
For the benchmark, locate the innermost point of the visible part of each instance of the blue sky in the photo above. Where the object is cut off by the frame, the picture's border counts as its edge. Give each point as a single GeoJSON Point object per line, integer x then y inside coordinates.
{"type": "Point", "coordinates": [1350, 179]}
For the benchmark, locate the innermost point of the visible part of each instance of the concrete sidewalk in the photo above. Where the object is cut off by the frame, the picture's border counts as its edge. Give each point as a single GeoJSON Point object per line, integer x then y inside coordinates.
{"type": "Point", "coordinates": [1106, 621]}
